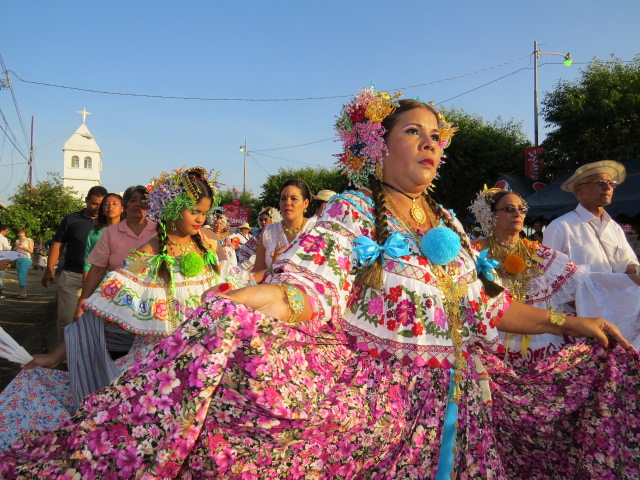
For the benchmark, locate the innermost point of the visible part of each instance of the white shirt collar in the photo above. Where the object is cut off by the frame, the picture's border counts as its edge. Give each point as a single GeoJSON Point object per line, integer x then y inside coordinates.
{"type": "Point", "coordinates": [586, 216]}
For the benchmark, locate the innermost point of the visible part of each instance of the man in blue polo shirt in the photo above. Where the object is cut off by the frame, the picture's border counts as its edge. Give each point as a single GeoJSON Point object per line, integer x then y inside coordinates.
{"type": "Point", "coordinates": [72, 233]}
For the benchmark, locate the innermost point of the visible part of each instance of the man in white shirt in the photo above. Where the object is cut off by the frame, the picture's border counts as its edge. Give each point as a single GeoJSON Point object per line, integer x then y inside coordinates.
{"type": "Point", "coordinates": [4, 245]}
{"type": "Point", "coordinates": [588, 235]}
{"type": "Point", "coordinates": [322, 198]}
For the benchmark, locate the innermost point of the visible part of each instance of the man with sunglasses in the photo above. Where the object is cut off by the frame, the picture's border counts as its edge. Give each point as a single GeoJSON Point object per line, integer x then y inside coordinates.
{"type": "Point", "coordinates": [588, 235]}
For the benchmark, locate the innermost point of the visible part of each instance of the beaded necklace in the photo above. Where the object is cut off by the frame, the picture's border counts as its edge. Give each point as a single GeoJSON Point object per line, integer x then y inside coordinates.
{"type": "Point", "coordinates": [293, 232]}
{"type": "Point", "coordinates": [518, 264]}
{"type": "Point", "coordinates": [184, 250]}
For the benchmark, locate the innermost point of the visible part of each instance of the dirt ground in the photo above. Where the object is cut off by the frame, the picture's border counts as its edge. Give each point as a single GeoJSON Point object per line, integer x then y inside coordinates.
{"type": "Point", "coordinates": [31, 322]}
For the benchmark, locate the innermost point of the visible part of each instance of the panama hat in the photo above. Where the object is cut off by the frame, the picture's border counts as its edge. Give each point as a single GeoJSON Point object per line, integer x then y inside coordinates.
{"type": "Point", "coordinates": [615, 170]}
{"type": "Point", "coordinates": [244, 225]}
{"type": "Point", "coordinates": [324, 195]}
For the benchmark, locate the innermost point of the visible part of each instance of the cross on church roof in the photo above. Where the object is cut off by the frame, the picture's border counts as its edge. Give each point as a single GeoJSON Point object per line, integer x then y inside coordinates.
{"type": "Point", "coordinates": [84, 114]}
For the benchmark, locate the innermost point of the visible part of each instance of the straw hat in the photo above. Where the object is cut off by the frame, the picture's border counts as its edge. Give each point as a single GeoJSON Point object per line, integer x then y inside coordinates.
{"type": "Point", "coordinates": [324, 195]}
{"type": "Point", "coordinates": [244, 225]}
{"type": "Point", "coordinates": [615, 170]}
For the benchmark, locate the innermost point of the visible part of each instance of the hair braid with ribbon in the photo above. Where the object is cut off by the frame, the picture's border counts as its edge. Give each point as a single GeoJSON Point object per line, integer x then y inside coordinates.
{"type": "Point", "coordinates": [371, 275]}
{"type": "Point", "coordinates": [210, 257]}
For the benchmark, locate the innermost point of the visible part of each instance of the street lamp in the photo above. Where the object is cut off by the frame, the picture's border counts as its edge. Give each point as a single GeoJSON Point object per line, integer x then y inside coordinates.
{"type": "Point", "coordinates": [243, 149]}
{"type": "Point", "coordinates": [567, 63]}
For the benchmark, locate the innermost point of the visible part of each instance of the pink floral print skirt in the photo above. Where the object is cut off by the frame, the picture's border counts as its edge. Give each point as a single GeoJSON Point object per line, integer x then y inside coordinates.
{"type": "Point", "coordinates": [234, 394]}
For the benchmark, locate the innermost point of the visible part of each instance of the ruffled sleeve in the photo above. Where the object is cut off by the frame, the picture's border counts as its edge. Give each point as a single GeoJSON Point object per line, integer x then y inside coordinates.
{"type": "Point", "coordinates": [140, 301]}
{"type": "Point", "coordinates": [322, 261]}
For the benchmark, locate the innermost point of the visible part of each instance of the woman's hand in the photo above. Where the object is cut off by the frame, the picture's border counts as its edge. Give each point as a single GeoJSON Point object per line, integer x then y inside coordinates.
{"type": "Point", "coordinates": [597, 328]}
{"type": "Point", "coordinates": [79, 309]}
{"type": "Point", "coordinates": [275, 255]}
{"type": "Point", "coordinates": [268, 299]}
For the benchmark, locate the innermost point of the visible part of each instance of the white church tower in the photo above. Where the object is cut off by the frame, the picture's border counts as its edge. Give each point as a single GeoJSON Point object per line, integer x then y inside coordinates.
{"type": "Point", "coordinates": [82, 159]}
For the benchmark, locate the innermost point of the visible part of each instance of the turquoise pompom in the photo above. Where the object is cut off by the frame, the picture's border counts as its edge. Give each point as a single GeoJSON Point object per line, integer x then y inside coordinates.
{"type": "Point", "coordinates": [191, 264]}
{"type": "Point", "coordinates": [440, 245]}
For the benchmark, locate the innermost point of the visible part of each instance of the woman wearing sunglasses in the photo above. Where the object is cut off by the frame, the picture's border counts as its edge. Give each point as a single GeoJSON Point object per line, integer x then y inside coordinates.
{"type": "Point", "coordinates": [536, 274]}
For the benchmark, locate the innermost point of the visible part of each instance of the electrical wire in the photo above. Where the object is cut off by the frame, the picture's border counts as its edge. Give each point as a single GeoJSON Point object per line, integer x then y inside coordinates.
{"type": "Point", "coordinates": [15, 101]}
{"type": "Point", "coordinates": [259, 164]}
{"type": "Point", "coordinates": [17, 148]}
{"type": "Point", "coordinates": [293, 146]}
{"type": "Point", "coordinates": [300, 99]}
{"type": "Point", "coordinates": [287, 160]}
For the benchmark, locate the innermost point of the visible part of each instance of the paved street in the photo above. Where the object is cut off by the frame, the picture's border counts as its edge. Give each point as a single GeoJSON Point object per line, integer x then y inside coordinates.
{"type": "Point", "coordinates": [31, 322]}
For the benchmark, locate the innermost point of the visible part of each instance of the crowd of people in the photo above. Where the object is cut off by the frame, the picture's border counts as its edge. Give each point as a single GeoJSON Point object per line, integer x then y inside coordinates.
{"type": "Point", "coordinates": [368, 338]}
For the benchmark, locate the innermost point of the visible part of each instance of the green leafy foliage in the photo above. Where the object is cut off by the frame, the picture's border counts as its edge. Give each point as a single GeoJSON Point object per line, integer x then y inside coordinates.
{"type": "Point", "coordinates": [40, 209]}
{"type": "Point", "coordinates": [596, 117]}
{"type": "Point", "coordinates": [479, 153]}
{"type": "Point", "coordinates": [317, 179]}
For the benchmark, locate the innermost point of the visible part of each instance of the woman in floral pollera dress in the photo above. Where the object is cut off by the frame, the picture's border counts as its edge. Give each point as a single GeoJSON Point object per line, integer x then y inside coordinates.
{"type": "Point", "coordinates": [367, 353]}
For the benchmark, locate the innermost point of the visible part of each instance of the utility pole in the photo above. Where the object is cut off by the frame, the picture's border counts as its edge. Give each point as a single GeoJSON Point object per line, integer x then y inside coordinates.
{"type": "Point", "coordinates": [536, 53]}
{"type": "Point", "coordinates": [243, 149]}
{"type": "Point", "coordinates": [31, 156]}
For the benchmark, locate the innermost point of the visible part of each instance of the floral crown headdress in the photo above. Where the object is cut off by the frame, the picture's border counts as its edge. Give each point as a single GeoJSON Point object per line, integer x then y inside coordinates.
{"type": "Point", "coordinates": [481, 209]}
{"type": "Point", "coordinates": [175, 191]}
{"type": "Point", "coordinates": [272, 213]}
{"type": "Point", "coordinates": [359, 128]}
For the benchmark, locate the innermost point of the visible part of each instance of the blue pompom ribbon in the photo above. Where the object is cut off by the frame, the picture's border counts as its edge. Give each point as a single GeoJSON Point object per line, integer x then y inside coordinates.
{"type": "Point", "coordinates": [440, 245]}
{"type": "Point", "coordinates": [485, 265]}
{"type": "Point", "coordinates": [368, 250]}
{"type": "Point", "coordinates": [445, 458]}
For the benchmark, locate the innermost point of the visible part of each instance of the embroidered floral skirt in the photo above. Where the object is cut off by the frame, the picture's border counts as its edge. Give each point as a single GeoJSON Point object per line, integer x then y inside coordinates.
{"type": "Point", "coordinates": [236, 394]}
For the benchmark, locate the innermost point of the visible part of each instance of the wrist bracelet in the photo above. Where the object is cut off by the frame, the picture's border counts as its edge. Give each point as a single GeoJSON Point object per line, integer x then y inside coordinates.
{"type": "Point", "coordinates": [295, 298]}
{"type": "Point", "coordinates": [557, 318]}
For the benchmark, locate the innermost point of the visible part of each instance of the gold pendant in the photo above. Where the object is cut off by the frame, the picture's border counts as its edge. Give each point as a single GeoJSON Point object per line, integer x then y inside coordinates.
{"type": "Point", "coordinates": [418, 214]}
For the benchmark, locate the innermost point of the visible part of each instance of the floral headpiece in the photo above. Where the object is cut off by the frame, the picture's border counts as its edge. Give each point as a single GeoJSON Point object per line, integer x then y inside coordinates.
{"type": "Point", "coordinates": [172, 192]}
{"type": "Point", "coordinates": [273, 213]}
{"type": "Point", "coordinates": [481, 209]}
{"type": "Point", "coordinates": [359, 128]}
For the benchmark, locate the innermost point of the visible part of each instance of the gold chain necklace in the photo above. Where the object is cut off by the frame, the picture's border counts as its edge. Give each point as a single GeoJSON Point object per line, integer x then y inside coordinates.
{"type": "Point", "coordinates": [452, 293]}
{"type": "Point", "coordinates": [404, 220]}
{"type": "Point", "coordinates": [516, 282]}
{"type": "Point", "coordinates": [293, 232]}
{"type": "Point", "coordinates": [417, 213]}
{"type": "Point", "coordinates": [184, 250]}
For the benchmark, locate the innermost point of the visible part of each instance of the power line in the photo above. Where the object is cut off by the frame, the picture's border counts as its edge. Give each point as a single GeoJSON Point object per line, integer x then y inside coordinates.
{"type": "Point", "coordinates": [259, 164]}
{"type": "Point", "coordinates": [287, 160]}
{"type": "Point", "coordinates": [17, 149]}
{"type": "Point", "coordinates": [15, 100]}
{"type": "Point", "coordinates": [217, 99]}
{"type": "Point", "coordinates": [293, 146]}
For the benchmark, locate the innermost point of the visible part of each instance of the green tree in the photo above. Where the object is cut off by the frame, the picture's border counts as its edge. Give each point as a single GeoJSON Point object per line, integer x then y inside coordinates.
{"type": "Point", "coordinates": [317, 179]}
{"type": "Point", "coordinates": [596, 117]}
{"type": "Point", "coordinates": [479, 153]}
{"type": "Point", "coordinates": [40, 209]}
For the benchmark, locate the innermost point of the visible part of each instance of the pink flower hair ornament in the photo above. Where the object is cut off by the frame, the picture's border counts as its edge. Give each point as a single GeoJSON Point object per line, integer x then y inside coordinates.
{"type": "Point", "coordinates": [359, 128]}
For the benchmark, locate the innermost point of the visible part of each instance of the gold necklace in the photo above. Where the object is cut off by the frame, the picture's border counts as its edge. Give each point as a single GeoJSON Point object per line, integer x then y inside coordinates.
{"type": "Point", "coordinates": [293, 232]}
{"type": "Point", "coordinates": [452, 293]}
{"type": "Point", "coordinates": [417, 213]}
{"type": "Point", "coordinates": [405, 221]}
{"type": "Point", "coordinates": [184, 250]}
{"type": "Point", "coordinates": [516, 280]}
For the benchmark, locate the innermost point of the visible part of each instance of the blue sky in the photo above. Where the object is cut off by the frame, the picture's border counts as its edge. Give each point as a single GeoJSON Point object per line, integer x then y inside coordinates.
{"type": "Point", "coordinates": [272, 50]}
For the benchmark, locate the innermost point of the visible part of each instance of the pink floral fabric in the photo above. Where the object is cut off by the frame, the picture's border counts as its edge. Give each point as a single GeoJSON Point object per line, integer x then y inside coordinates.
{"type": "Point", "coordinates": [234, 394]}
